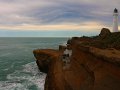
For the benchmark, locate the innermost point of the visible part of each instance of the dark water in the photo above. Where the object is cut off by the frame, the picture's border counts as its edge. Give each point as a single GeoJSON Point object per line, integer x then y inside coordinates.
{"type": "Point", "coordinates": [18, 70]}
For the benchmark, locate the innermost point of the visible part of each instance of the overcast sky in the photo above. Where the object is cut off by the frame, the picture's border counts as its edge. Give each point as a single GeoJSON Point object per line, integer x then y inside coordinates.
{"type": "Point", "coordinates": [61, 18]}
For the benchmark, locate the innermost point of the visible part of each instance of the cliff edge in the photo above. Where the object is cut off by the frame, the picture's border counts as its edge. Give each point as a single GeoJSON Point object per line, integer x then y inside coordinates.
{"type": "Point", "coordinates": [94, 64]}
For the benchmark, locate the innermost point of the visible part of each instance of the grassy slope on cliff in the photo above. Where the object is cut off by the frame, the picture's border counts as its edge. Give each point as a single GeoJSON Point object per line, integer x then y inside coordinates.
{"type": "Point", "coordinates": [109, 41]}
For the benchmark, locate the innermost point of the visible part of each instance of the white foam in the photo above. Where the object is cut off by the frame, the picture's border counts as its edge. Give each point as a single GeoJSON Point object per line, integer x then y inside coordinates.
{"type": "Point", "coordinates": [31, 68]}
{"type": "Point", "coordinates": [30, 75]}
{"type": "Point", "coordinates": [12, 86]}
{"type": "Point", "coordinates": [38, 78]}
{"type": "Point", "coordinates": [6, 69]}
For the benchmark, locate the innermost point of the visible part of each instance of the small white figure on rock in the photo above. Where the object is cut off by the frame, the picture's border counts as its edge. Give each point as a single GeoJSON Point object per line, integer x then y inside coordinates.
{"type": "Point", "coordinates": [66, 56]}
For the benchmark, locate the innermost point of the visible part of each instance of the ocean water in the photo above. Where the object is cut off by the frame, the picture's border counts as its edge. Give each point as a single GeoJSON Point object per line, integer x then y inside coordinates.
{"type": "Point", "coordinates": [18, 70]}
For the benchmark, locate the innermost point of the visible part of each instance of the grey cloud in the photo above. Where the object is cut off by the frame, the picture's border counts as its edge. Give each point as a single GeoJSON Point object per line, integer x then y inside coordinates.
{"type": "Point", "coordinates": [14, 12]}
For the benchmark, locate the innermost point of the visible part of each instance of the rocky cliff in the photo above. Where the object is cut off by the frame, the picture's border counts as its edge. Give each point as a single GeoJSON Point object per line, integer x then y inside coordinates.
{"type": "Point", "coordinates": [94, 64]}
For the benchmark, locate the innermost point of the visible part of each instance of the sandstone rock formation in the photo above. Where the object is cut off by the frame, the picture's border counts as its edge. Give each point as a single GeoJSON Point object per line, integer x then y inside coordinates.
{"type": "Point", "coordinates": [77, 77]}
{"type": "Point", "coordinates": [93, 66]}
{"type": "Point", "coordinates": [44, 57]}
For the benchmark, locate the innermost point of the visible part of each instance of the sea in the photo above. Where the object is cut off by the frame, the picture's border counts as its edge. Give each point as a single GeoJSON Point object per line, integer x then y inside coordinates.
{"type": "Point", "coordinates": [18, 69]}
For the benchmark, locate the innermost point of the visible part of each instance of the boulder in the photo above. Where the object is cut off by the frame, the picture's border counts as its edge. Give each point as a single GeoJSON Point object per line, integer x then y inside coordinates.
{"type": "Point", "coordinates": [104, 33]}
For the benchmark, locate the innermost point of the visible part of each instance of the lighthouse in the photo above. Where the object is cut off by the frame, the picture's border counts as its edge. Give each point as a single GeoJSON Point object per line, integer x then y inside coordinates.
{"type": "Point", "coordinates": [115, 20]}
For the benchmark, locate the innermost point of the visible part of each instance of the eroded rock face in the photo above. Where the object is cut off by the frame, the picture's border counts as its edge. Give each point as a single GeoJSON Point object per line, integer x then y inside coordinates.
{"type": "Point", "coordinates": [106, 74]}
{"type": "Point", "coordinates": [59, 77]}
{"type": "Point", "coordinates": [43, 58]}
{"type": "Point", "coordinates": [86, 71]}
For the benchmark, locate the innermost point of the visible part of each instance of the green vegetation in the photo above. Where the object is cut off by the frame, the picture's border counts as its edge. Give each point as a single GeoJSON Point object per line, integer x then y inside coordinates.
{"type": "Point", "coordinates": [110, 41]}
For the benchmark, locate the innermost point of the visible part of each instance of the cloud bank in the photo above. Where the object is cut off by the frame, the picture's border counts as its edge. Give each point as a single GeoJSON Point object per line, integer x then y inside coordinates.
{"type": "Point", "coordinates": [56, 14]}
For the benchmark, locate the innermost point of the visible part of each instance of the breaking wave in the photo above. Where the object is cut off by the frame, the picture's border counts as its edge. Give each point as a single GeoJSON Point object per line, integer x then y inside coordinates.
{"type": "Point", "coordinates": [29, 78]}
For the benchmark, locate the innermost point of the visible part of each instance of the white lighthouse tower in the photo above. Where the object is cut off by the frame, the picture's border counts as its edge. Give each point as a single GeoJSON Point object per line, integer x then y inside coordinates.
{"type": "Point", "coordinates": [115, 20]}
